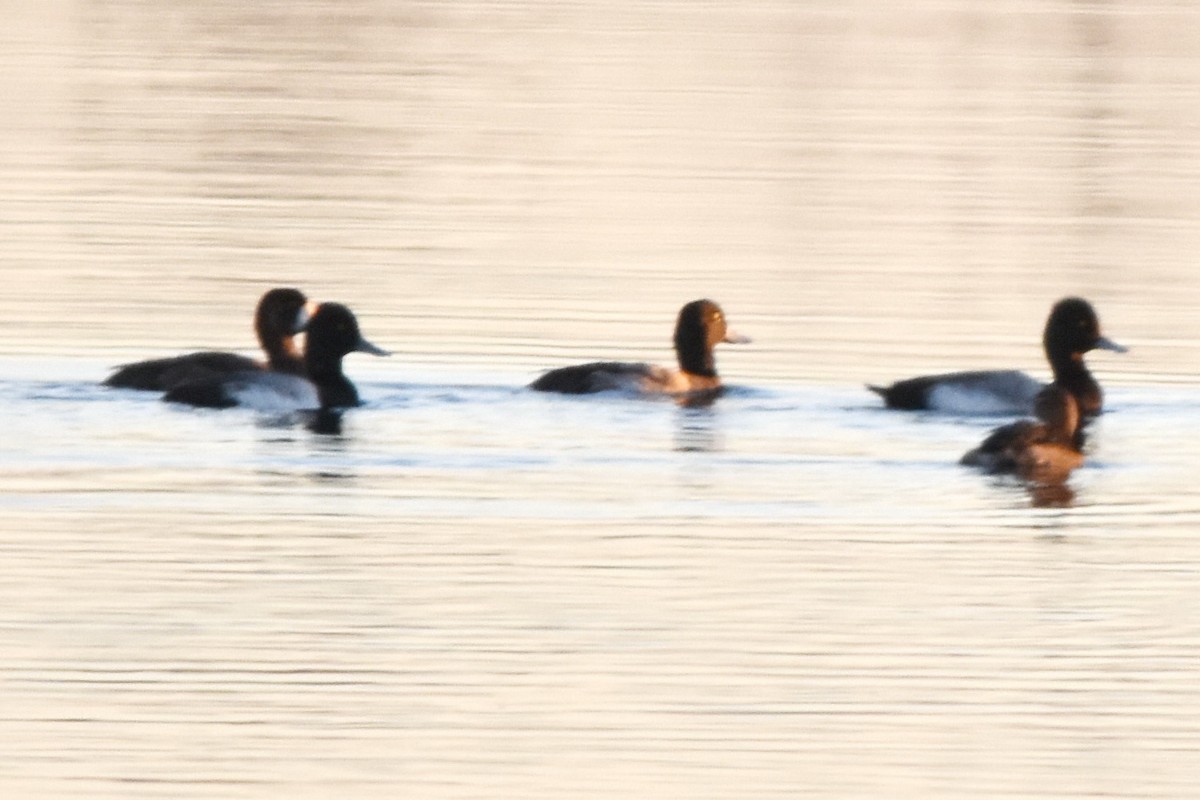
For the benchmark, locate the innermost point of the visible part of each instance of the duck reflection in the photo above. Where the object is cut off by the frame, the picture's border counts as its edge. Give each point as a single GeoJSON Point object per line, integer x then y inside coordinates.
{"type": "Point", "coordinates": [325, 422]}
{"type": "Point", "coordinates": [701, 399]}
{"type": "Point", "coordinates": [1051, 495]}
{"type": "Point", "coordinates": [695, 429]}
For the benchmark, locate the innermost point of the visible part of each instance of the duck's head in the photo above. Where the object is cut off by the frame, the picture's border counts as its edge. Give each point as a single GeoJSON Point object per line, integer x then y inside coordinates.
{"type": "Point", "coordinates": [1073, 329]}
{"type": "Point", "coordinates": [701, 326]}
{"type": "Point", "coordinates": [333, 332]}
{"type": "Point", "coordinates": [282, 313]}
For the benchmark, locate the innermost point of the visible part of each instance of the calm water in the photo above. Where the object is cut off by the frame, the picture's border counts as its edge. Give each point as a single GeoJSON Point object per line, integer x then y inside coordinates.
{"type": "Point", "coordinates": [475, 591]}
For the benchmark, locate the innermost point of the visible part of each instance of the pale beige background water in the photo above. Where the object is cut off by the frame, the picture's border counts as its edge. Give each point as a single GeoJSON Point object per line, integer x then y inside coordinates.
{"type": "Point", "coordinates": [479, 593]}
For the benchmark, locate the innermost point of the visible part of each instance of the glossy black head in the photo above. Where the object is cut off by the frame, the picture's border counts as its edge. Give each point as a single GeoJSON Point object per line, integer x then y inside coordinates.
{"type": "Point", "coordinates": [281, 314]}
{"type": "Point", "coordinates": [701, 327]}
{"type": "Point", "coordinates": [332, 334]}
{"type": "Point", "coordinates": [1073, 329]}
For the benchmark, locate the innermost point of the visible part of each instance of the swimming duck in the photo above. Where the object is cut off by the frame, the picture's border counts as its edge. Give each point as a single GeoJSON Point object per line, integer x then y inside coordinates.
{"type": "Point", "coordinates": [332, 333]}
{"type": "Point", "coordinates": [1041, 450]}
{"type": "Point", "coordinates": [281, 314]}
{"type": "Point", "coordinates": [1072, 330]}
{"type": "Point", "coordinates": [699, 328]}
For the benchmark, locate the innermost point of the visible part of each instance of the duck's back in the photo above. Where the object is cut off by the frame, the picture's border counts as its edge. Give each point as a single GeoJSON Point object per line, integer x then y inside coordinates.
{"type": "Point", "coordinates": [160, 374]}
{"type": "Point", "coordinates": [997, 453]}
{"type": "Point", "coordinates": [598, 376]}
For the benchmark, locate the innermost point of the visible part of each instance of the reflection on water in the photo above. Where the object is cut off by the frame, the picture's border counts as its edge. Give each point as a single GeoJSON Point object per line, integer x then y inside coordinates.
{"type": "Point", "coordinates": [466, 589]}
{"type": "Point", "coordinates": [327, 422]}
{"type": "Point", "coordinates": [695, 429]}
{"type": "Point", "coordinates": [1051, 495]}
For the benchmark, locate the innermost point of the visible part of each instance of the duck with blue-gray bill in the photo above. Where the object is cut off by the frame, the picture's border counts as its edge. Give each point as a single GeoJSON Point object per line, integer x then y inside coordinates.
{"type": "Point", "coordinates": [332, 334]}
{"type": "Point", "coordinates": [1072, 330]}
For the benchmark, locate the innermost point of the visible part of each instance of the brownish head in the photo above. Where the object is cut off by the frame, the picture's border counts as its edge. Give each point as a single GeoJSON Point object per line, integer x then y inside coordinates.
{"type": "Point", "coordinates": [281, 314]}
{"type": "Point", "coordinates": [701, 326]}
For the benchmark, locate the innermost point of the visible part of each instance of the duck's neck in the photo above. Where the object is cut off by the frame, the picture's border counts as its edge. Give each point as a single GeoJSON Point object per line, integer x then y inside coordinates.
{"type": "Point", "coordinates": [284, 356]}
{"type": "Point", "coordinates": [697, 360]}
{"type": "Point", "coordinates": [1061, 432]}
{"type": "Point", "coordinates": [334, 389]}
{"type": "Point", "coordinates": [1072, 375]}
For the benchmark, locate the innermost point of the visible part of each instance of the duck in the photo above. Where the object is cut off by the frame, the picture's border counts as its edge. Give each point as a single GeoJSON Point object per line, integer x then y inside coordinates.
{"type": "Point", "coordinates": [699, 328]}
{"type": "Point", "coordinates": [1043, 450]}
{"type": "Point", "coordinates": [1072, 330]}
{"type": "Point", "coordinates": [281, 314]}
{"type": "Point", "coordinates": [332, 333]}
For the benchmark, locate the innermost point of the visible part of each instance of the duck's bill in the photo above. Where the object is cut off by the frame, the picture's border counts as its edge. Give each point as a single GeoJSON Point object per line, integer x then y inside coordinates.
{"type": "Point", "coordinates": [366, 347]}
{"type": "Point", "coordinates": [1104, 343]}
{"type": "Point", "coordinates": [303, 316]}
{"type": "Point", "coordinates": [733, 337]}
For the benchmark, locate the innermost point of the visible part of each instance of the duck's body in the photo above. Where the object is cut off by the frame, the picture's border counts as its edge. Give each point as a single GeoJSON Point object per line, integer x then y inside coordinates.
{"type": "Point", "coordinates": [1042, 450]}
{"type": "Point", "coordinates": [620, 376]}
{"type": "Point", "coordinates": [1072, 330]}
{"type": "Point", "coordinates": [280, 315]}
{"type": "Point", "coordinates": [332, 334]}
{"type": "Point", "coordinates": [1048, 463]}
{"type": "Point", "coordinates": [698, 329]}
{"type": "Point", "coordinates": [973, 392]}
{"type": "Point", "coordinates": [252, 388]}
{"type": "Point", "coordinates": [160, 374]}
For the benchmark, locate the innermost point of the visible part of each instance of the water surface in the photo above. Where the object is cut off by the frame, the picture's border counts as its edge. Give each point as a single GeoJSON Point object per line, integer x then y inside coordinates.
{"type": "Point", "coordinates": [477, 591]}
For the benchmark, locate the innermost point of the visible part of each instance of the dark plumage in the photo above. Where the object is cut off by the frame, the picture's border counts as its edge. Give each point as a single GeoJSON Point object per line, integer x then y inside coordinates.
{"type": "Point", "coordinates": [332, 334]}
{"type": "Point", "coordinates": [599, 376]}
{"type": "Point", "coordinates": [1042, 450]}
{"type": "Point", "coordinates": [281, 314]}
{"type": "Point", "coordinates": [1072, 330]}
{"type": "Point", "coordinates": [699, 328]}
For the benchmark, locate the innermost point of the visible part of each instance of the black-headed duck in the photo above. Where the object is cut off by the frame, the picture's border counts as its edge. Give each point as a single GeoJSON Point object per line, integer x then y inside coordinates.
{"type": "Point", "coordinates": [332, 334]}
{"type": "Point", "coordinates": [1072, 330]}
